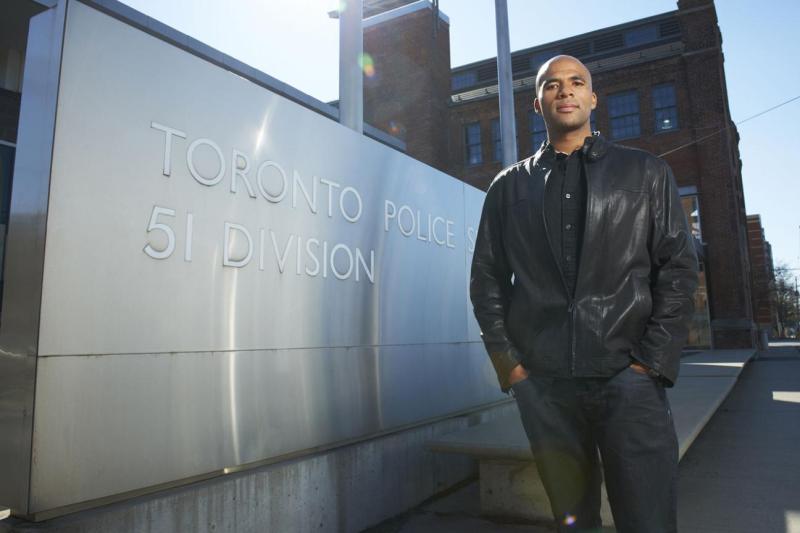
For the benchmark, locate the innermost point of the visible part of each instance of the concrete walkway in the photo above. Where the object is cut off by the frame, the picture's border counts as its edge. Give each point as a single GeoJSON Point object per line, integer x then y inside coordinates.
{"type": "Point", "coordinates": [741, 474]}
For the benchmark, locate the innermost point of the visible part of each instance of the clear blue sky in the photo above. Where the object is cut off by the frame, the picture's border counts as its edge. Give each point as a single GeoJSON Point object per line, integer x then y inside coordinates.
{"type": "Point", "coordinates": [296, 42]}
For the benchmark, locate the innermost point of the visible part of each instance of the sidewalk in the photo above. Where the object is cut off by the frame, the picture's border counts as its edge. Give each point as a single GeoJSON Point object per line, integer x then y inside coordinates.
{"type": "Point", "coordinates": [740, 475]}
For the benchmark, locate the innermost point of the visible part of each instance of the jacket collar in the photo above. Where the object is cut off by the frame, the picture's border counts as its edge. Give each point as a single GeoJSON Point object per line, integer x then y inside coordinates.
{"type": "Point", "coordinates": [597, 148]}
{"type": "Point", "coordinates": [594, 147]}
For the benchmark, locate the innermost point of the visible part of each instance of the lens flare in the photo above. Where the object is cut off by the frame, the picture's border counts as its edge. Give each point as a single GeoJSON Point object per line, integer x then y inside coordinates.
{"type": "Point", "coordinates": [569, 520]}
{"type": "Point", "coordinates": [367, 64]}
{"type": "Point", "coordinates": [396, 128]}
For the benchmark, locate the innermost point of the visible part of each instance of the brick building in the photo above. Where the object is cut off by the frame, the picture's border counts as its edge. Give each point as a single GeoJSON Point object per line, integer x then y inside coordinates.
{"type": "Point", "coordinates": [763, 276]}
{"type": "Point", "coordinates": [660, 83]}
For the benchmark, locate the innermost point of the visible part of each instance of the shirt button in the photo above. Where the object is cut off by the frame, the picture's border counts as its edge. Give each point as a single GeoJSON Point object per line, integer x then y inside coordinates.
{"type": "Point", "coordinates": [568, 258]}
{"type": "Point", "coordinates": [568, 226]}
{"type": "Point", "coordinates": [568, 195]}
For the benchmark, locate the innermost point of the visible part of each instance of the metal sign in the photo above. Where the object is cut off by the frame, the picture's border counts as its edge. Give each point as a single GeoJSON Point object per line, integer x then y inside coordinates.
{"type": "Point", "coordinates": [231, 277]}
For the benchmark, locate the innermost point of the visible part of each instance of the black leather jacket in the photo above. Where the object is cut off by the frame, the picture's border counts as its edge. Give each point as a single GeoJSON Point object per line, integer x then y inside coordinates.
{"type": "Point", "coordinates": [636, 278]}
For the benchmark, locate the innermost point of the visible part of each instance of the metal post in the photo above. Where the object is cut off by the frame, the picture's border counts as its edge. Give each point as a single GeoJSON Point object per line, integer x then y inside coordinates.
{"type": "Point", "coordinates": [796, 310]}
{"type": "Point", "coordinates": [351, 80]}
{"type": "Point", "coordinates": [508, 129]}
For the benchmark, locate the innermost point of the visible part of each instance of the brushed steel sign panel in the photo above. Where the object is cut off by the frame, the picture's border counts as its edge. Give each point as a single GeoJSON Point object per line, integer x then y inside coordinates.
{"type": "Point", "coordinates": [119, 423]}
{"type": "Point", "coordinates": [192, 210]}
{"type": "Point", "coordinates": [230, 277]}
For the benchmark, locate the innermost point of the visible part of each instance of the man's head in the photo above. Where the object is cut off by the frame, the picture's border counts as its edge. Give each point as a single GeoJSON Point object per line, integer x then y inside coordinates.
{"type": "Point", "coordinates": [564, 96]}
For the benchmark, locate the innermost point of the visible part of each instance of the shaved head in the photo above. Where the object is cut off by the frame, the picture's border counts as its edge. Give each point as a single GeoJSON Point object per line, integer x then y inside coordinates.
{"type": "Point", "coordinates": [542, 75]}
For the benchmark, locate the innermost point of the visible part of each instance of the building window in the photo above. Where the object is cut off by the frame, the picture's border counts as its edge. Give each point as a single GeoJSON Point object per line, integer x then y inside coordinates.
{"type": "Point", "coordinates": [669, 27]}
{"type": "Point", "coordinates": [665, 107]}
{"type": "Point", "coordinates": [537, 129]}
{"type": "Point", "coordinates": [538, 59]}
{"type": "Point", "coordinates": [691, 209]}
{"type": "Point", "coordinates": [472, 139]}
{"type": "Point", "coordinates": [623, 112]}
{"type": "Point", "coordinates": [700, 324]}
{"type": "Point", "coordinates": [520, 63]}
{"type": "Point", "coordinates": [497, 144]}
{"type": "Point", "coordinates": [643, 35]}
{"type": "Point", "coordinates": [608, 42]}
{"type": "Point", "coordinates": [463, 80]}
{"type": "Point", "coordinates": [578, 49]}
{"type": "Point", "coordinates": [487, 72]}
{"type": "Point", "coordinates": [12, 62]}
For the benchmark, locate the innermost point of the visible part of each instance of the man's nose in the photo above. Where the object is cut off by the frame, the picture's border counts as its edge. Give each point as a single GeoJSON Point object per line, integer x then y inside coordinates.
{"type": "Point", "coordinates": [564, 92]}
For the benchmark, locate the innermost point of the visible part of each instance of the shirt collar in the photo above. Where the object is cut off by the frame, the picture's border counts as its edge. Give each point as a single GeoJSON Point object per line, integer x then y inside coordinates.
{"type": "Point", "coordinates": [587, 145]}
{"type": "Point", "coordinates": [594, 146]}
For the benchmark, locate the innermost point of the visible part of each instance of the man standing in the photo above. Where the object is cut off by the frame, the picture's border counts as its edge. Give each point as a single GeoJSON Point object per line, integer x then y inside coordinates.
{"type": "Point", "coordinates": [582, 282]}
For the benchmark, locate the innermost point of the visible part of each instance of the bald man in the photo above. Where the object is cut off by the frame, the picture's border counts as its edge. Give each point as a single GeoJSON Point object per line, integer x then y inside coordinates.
{"type": "Point", "coordinates": [582, 282]}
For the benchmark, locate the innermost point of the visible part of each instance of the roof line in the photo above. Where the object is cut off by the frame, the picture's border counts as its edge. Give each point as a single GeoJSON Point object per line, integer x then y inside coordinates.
{"type": "Point", "coordinates": [571, 39]}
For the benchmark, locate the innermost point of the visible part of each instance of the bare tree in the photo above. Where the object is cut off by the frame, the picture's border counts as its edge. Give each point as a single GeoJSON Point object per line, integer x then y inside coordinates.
{"type": "Point", "coordinates": [786, 296]}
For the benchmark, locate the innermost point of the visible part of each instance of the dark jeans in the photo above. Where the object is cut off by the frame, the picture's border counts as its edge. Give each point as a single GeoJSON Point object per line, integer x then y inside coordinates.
{"type": "Point", "coordinates": [627, 419]}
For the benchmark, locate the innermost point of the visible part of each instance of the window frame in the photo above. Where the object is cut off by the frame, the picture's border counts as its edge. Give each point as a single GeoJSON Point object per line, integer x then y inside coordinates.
{"type": "Point", "coordinates": [611, 117]}
{"type": "Point", "coordinates": [533, 118]}
{"type": "Point", "coordinates": [474, 145]}
{"type": "Point", "coordinates": [673, 106]}
{"type": "Point", "coordinates": [462, 80]}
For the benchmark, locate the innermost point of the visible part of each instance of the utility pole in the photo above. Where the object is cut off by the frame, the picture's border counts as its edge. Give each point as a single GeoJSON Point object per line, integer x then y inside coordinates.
{"type": "Point", "coordinates": [505, 88]}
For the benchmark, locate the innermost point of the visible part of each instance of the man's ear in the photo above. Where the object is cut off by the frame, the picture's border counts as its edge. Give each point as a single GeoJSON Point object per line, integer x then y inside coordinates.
{"type": "Point", "coordinates": [594, 100]}
{"type": "Point", "coordinates": [538, 107]}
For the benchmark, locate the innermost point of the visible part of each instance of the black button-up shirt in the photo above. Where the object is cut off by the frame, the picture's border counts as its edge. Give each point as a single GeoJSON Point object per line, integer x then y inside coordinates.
{"type": "Point", "coordinates": [565, 210]}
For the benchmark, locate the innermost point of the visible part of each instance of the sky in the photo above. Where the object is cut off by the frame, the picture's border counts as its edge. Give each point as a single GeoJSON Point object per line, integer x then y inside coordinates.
{"type": "Point", "coordinates": [296, 42]}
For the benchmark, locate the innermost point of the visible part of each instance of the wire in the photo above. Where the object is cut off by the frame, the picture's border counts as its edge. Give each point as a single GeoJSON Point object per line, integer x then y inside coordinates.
{"type": "Point", "coordinates": [726, 128]}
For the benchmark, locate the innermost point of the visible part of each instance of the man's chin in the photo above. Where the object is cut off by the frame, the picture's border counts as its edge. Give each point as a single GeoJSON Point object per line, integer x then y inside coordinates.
{"type": "Point", "coordinates": [569, 127]}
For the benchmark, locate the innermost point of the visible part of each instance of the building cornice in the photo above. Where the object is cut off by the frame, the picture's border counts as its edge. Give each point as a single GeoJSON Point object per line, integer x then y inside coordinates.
{"type": "Point", "coordinates": [601, 65]}
{"type": "Point", "coordinates": [402, 11]}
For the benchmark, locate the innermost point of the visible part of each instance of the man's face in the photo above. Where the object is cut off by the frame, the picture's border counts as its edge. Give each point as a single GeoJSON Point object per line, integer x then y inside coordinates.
{"type": "Point", "coordinates": [564, 96]}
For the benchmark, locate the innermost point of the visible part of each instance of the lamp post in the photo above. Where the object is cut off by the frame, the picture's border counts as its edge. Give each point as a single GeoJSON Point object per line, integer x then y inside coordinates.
{"type": "Point", "coordinates": [351, 80]}
{"type": "Point", "coordinates": [505, 89]}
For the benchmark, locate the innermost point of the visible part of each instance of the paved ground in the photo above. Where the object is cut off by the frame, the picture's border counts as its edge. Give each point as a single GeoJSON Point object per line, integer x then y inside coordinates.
{"type": "Point", "coordinates": [741, 475]}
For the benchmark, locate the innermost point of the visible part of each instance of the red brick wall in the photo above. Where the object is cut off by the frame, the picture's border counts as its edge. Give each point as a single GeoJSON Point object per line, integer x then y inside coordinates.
{"type": "Point", "coordinates": [759, 261]}
{"type": "Point", "coordinates": [408, 95]}
{"type": "Point", "coordinates": [720, 183]}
